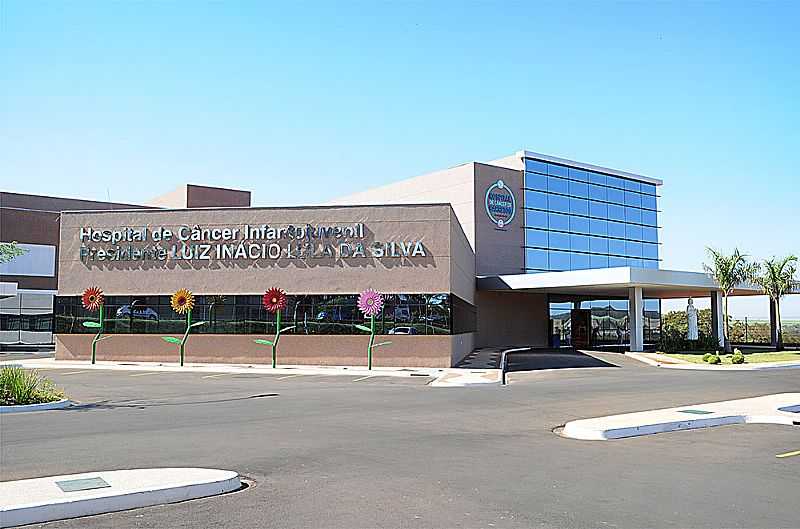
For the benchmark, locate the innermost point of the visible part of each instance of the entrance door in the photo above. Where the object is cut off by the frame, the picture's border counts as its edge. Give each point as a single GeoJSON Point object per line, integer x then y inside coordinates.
{"type": "Point", "coordinates": [581, 323]}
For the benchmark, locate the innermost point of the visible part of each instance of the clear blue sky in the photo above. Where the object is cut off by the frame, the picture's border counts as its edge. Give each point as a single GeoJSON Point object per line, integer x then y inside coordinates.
{"type": "Point", "coordinates": [302, 102]}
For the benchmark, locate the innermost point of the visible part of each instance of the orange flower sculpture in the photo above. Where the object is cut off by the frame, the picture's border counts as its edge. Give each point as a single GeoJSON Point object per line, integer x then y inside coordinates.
{"type": "Point", "coordinates": [182, 301]}
{"type": "Point", "coordinates": [92, 298]}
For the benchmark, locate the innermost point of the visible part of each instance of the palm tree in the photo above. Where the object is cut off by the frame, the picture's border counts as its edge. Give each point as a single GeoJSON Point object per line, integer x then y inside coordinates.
{"type": "Point", "coordinates": [776, 278]}
{"type": "Point", "coordinates": [729, 271]}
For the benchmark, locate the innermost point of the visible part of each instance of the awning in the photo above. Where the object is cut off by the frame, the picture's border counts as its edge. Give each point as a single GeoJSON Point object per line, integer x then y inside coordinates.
{"type": "Point", "coordinates": [600, 283]}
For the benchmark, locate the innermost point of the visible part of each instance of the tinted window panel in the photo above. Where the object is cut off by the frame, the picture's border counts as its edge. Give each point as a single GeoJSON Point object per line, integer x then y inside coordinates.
{"type": "Point", "coordinates": [579, 189]}
{"type": "Point", "coordinates": [633, 199]}
{"type": "Point", "coordinates": [649, 202]}
{"type": "Point", "coordinates": [559, 260]}
{"type": "Point", "coordinates": [598, 227]}
{"type": "Point", "coordinates": [559, 241]}
{"type": "Point", "coordinates": [559, 222]}
{"type": "Point", "coordinates": [649, 264]}
{"type": "Point", "coordinates": [616, 212]}
{"type": "Point", "coordinates": [558, 203]}
{"type": "Point", "coordinates": [536, 219]}
{"type": "Point", "coordinates": [598, 193]}
{"type": "Point", "coordinates": [633, 215]}
{"type": "Point", "coordinates": [597, 178]}
{"type": "Point", "coordinates": [598, 261]}
{"type": "Point", "coordinates": [616, 229]}
{"type": "Point", "coordinates": [633, 249]}
{"type": "Point", "coordinates": [579, 243]}
{"type": "Point", "coordinates": [535, 199]}
{"type": "Point", "coordinates": [579, 206]}
{"type": "Point", "coordinates": [650, 251]}
{"type": "Point", "coordinates": [614, 261]}
{"type": "Point", "coordinates": [598, 209]}
{"type": "Point", "coordinates": [536, 238]}
{"type": "Point", "coordinates": [598, 244]}
{"type": "Point", "coordinates": [616, 247]}
{"type": "Point", "coordinates": [557, 185]}
{"type": "Point", "coordinates": [649, 234]}
{"type": "Point", "coordinates": [536, 259]}
{"type": "Point", "coordinates": [614, 181]}
{"type": "Point", "coordinates": [648, 189]}
{"type": "Point", "coordinates": [633, 185]}
{"type": "Point", "coordinates": [579, 261]}
{"type": "Point", "coordinates": [633, 231]}
{"type": "Point", "coordinates": [533, 165]}
{"type": "Point", "coordinates": [616, 196]}
{"type": "Point", "coordinates": [557, 170]}
{"type": "Point", "coordinates": [578, 174]}
{"type": "Point", "coordinates": [649, 217]}
{"type": "Point", "coordinates": [579, 224]}
{"type": "Point", "coordinates": [536, 181]}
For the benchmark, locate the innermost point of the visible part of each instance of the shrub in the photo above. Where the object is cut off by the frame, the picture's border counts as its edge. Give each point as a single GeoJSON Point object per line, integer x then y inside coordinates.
{"type": "Point", "coordinates": [737, 357]}
{"type": "Point", "coordinates": [18, 386]}
{"type": "Point", "coordinates": [714, 359]}
{"type": "Point", "coordinates": [707, 356]}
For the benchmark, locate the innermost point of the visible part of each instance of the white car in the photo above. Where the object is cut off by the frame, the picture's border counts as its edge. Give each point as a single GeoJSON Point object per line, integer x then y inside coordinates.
{"type": "Point", "coordinates": [144, 313]}
{"type": "Point", "coordinates": [403, 330]}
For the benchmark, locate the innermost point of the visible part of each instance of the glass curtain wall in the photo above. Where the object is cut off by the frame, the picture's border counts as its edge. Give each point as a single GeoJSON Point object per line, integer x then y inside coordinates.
{"type": "Point", "coordinates": [27, 318]}
{"type": "Point", "coordinates": [610, 321]}
{"type": "Point", "coordinates": [576, 219]}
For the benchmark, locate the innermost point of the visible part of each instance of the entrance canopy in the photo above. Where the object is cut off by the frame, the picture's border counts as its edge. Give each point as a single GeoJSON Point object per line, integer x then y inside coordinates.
{"type": "Point", "coordinates": [605, 283]}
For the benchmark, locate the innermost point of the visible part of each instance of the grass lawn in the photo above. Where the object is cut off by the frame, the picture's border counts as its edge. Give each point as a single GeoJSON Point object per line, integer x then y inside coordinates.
{"type": "Point", "coordinates": [749, 358]}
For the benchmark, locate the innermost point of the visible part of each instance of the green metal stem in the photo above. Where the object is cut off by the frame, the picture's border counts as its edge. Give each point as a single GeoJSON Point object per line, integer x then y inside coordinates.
{"type": "Point", "coordinates": [186, 334]}
{"type": "Point", "coordinates": [98, 335]}
{"type": "Point", "coordinates": [371, 341]}
{"type": "Point", "coordinates": [275, 340]}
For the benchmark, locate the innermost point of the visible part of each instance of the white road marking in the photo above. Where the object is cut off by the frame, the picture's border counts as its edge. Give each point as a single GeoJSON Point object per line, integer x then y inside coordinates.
{"type": "Point", "coordinates": [217, 375]}
{"type": "Point", "coordinates": [75, 372]}
{"type": "Point", "coordinates": [364, 378]}
{"type": "Point", "coordinates": [146, 374]}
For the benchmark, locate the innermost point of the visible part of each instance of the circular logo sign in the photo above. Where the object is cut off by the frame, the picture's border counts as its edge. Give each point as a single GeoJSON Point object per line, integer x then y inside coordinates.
{"type": "Point", "coordinates": [500, 204]}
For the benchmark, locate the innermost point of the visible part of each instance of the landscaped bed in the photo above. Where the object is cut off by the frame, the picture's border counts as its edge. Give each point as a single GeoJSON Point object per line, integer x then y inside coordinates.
{"type": "Point", "coordinates": [755, 357]}
{"type": "Point", "coordinates": [20, 387]}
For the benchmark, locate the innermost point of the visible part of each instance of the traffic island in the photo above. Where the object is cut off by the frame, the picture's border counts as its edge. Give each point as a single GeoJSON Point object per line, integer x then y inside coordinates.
{"type": "Point", "coordinates": [46, 499]}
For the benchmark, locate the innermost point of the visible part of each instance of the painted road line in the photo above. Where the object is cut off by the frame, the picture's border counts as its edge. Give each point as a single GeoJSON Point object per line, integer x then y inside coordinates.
{"type": "Point", "coordinates": [364, 378]}
{"type": "Point", "coordinates": [146, 374]}
{"type": "Point", "coordinates": [789, 454]}
{"type": "Point", "coordinates": [217, 375]}
{"type": "Point", "coordinates": [289, 376]}
{"type": "Point", "coordinates": [75, 372]}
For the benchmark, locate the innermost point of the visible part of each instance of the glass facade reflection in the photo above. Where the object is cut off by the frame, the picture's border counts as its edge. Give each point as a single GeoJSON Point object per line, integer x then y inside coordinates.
{"type": "Point", "coordinates": [576, 219]}
{"type": "Point", "coordinates": [610, 321]}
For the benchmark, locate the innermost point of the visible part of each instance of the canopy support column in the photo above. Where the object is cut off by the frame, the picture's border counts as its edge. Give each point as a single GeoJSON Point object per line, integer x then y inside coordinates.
{"type": "Point", "coordinates": [636, 318]}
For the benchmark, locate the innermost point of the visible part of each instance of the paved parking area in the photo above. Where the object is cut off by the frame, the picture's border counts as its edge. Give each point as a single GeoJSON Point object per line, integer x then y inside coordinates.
{"type": "Point", "coordinates": [336, 451]}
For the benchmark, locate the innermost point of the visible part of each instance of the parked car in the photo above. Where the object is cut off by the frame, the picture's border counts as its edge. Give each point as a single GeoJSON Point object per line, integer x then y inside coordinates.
{"type": "Point", "coordinates": [403, 330]}
{"type": "Point", "coordinates": [139, 313]}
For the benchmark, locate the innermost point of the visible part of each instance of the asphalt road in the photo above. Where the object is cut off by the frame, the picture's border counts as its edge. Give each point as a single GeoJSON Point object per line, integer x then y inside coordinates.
{"type": "Point", "coordinates": [388, 452]}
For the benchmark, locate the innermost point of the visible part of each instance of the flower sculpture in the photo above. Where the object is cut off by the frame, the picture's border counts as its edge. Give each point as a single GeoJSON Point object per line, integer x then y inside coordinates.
{"type": "Point", "coordinates": [93, 300]}
{"type": "Point", "coordinates": [370, 303]}
{"type": "Point", "coordinates": [274, 302]}
{"type": "Point", "coordinates": [182, 302]}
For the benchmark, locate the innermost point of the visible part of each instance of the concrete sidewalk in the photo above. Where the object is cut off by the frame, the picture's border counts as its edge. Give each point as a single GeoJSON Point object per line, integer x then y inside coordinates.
{"type": "Point", "coordinates": [38, 500]}
{"type": "Point", "coordinates": [782, 408]}
{"type": "Point", "coordinates": [443, 377]}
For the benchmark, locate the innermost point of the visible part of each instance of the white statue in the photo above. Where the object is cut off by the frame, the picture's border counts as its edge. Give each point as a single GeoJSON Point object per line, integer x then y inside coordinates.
{"type": "Point", "coordinates": [691, 316]}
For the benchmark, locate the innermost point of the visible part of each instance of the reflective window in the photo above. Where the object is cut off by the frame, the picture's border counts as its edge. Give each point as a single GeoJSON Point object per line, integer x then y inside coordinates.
{"type": "Point", "coordinates": [559, 261]}
{"type": "Point", "coordinates": [633, 215]}
{"type": "Point", "coordinates": [579, 261]}
{"type": "Point", "coordinates": [598, 261]}
{"type": "Point", "coordinates": [616, 247]}
{"type": "Point", "coordinates": [557, 170]}
{"type": "Point", "coordinates": [613, 181]}
{"type": "Point", "coordinates": [598, 192]}
{"type": "Point", "coordinates": [559, 241]}
{"type": "Point", "coordinates": [579, 206]}
{"type": "Point", "coordinates": [597, 178]}
{"type": "Point", "coordinates": [632, 231]}
{"type": "Point", "coordinates": [598, 227]}
{"type": "Point", "coordinates": [558, 203]}
{"type": "Point", "coordinates": [535, 199]}
{"type": "Point", "coordinates": [535, 165]}
{"type": "Point", "coordinates": [635, 263]}
{"type": "Point", "coordinates": [633, 185]}
{"type": "Point", "coordinates": [536, 219]}
{"type": "Point", "coordinates": [578, 174]}
{"type": "Point", "coordinates": [536, 181]}
{"type": "Point", "coordinates": [579, 243]}
{"type": "Point", "coordinates": [616, 229]}
{"type": "Point", "coordinates": [598, 209]}
{"type": "Point", "coordinates": [558, 185]}
{"type": "Point", "coordinates": [536, 259]}
{"type": "Point", "coordinates": [536, 238]}
{"type": "Point", "coordinates": [616, 196]}
{"type": "Point", "coordinates": [558, 221]}
{"type": "Point", "coordinates": [633, 199]}
{"type": "Point", "coordinates": [579, 189]}
{"type": "Point", "coordinates": [598, 244]}
{"type": "Point", "coordinates": [649, 217]}
{"type": "Point", "coordinates": [649, 264]}
{"type": "Point", "coordinates": [614, 261]}
{"type": "Point", "coordinates": [633, 249]}
{"type": "Point", "coordinates": [649, 234]}
{"type": "Point", "coordinates": [648, 189]}
{"type": "Point", "coordinates": [649, 202]}
{"type": "Point", "coordinates": [579, 224]}
{"type": "Point", "coordinates": [650, 250]}
{"type": "Point", "coordinates": [616, 212]}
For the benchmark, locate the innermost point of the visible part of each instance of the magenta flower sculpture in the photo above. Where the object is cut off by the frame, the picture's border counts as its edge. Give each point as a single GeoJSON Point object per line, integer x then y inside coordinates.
{"type": "Point", "coordinates": [370, 303]}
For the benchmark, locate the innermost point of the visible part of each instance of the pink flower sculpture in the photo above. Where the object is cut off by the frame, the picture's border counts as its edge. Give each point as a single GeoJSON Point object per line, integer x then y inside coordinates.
{"type": "Point", "coordinates": [370, 302]}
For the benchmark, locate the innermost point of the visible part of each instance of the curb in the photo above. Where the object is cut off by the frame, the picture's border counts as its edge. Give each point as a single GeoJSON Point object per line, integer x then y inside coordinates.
{"type": "Point", "coordinates": [21, 408]}
{"type": "Point", "coordinates": [675, 363]}
{"type": "Point", "coordinates": [147, 490]}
